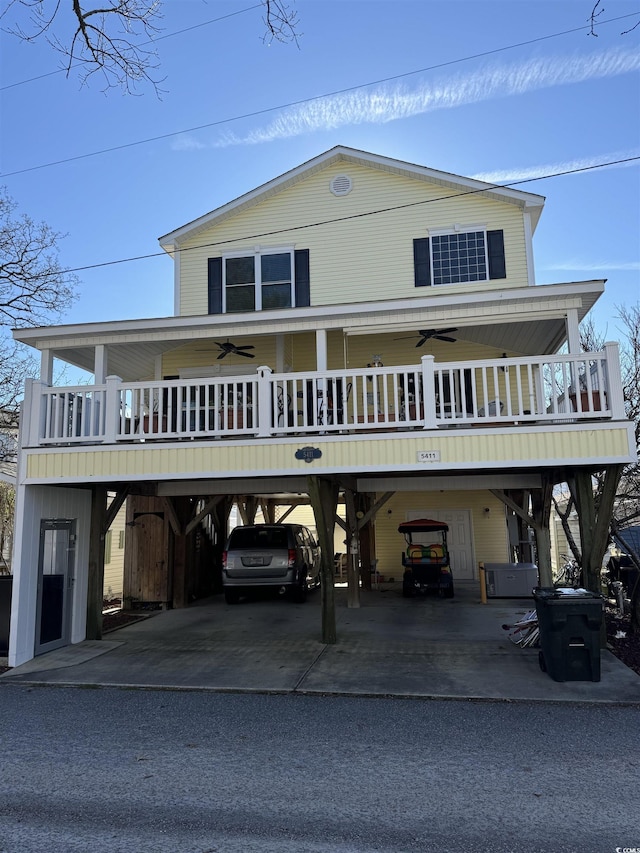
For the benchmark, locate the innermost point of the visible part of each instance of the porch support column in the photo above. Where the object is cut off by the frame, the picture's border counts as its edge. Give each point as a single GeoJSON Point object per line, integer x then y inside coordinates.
{"type": "Point", "coordinates": [100, 364]}
{"type": "Point", "coordinates": [46, 367]}
{"type": "Point", "coordinates": [279, 353]}
{"type": "Point", "coordinates": [573, 331]}
{"type": "Point", "coordinates": [323, 493]}
{"type": "Point", "coordinates": [321, 349]}
{"type": "Point", "coordinates": [95, 582]}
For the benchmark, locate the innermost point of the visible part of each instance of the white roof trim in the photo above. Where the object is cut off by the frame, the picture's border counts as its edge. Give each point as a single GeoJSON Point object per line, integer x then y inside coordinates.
{"type": "Point", "coordinates": [179, 328]}
{"type": "Point", "coordinates": [530, 201]}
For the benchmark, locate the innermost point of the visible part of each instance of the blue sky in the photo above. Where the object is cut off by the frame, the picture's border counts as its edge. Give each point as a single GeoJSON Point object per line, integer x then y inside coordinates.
{"type": "Point", "coordinates": [521, 110]}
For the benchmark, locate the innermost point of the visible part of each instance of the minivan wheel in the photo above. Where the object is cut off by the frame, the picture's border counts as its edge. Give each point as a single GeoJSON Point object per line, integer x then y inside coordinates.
{"type": "Point", "coordinates": [231, 596]}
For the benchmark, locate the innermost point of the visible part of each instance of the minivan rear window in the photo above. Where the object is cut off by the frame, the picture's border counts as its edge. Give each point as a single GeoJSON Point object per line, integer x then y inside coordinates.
{"type": "Point", "coordinates": [258, 537]}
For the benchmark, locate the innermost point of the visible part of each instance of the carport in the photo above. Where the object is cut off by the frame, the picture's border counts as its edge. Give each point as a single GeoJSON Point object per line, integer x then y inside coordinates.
{"type": "Point", "coordinates": [169, 514]}
{"type": "Point", "coordinates": [391, 646]}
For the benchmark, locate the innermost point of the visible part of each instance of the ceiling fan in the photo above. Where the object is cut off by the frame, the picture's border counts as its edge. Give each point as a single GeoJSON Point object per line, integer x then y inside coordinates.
{"type": "Point", "coordinates": [427, 334]}
{"type": "Point", "coordinates": [226, 347]}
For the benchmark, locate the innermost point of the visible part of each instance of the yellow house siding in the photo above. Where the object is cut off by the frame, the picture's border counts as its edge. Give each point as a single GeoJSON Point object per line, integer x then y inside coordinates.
{"type": "Point", "coordinates": [488, 531]}
{"type": "Point", "coordinates": [114, 569]}
{"type": "Point", "coordinates": [492, 448]}
{"type": "Point", "coordinates": [367, 257]}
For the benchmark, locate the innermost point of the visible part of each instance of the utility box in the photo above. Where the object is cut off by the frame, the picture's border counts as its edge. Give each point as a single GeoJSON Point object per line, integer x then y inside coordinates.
{"type": "Point", "coordinates": [510, 580]}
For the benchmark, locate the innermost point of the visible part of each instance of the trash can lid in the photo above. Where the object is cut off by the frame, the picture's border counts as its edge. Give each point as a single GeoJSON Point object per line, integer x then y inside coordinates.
{"type": "Point", "coordinates": [547, 592]}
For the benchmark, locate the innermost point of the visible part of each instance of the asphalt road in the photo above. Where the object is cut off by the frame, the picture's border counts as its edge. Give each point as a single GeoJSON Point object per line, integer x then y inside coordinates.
{"type": "Point", "coordinates": [188, 772]}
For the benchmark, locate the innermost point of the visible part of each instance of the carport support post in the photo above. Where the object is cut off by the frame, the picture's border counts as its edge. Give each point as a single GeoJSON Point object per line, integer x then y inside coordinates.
{"type": "Point", "coordinates": [220, 518]}
{"type": "Point", "coordinates": [541, 511]}
{"type": "Point", "coordinates": [323, 493]}
{"type": "Point", "coordinates": [353, 573]}
{"type": "Point", "coordinates": [95, 581]}
{"type": "Point", "coordinates": [179, 511]}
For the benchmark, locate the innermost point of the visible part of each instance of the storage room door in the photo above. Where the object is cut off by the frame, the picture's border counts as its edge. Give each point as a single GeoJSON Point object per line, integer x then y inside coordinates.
{"type": "Point", "coordinates": [459, 539]}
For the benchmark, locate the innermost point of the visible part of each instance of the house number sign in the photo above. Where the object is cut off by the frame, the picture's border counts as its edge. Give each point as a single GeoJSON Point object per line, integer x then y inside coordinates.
{"type": "Point", "coordinates": [428, 456]}
{"type": "Point", "coordinates": [308, 453]}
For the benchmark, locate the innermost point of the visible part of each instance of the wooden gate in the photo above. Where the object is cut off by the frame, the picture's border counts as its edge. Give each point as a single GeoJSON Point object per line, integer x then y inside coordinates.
{"type": "Point", "coordinates": [147, 578]}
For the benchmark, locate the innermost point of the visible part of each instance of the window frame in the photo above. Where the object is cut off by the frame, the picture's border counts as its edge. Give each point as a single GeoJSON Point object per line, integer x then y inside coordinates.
{"type": "Point", "coordinates": [257, 283]}
{"type": "Point", "coordinates": [457, 230]}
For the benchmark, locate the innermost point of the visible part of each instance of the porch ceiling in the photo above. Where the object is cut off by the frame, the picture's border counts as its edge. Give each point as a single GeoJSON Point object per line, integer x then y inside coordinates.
{"type": "Point", "coordinates": [527, 321]}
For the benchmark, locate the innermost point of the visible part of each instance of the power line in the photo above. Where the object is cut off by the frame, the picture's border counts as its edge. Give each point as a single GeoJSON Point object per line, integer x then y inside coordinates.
{"type": "Point", "coordinates": [144, 44]}
{"type": "Point", "coordinates": [290, 104]}
{"type": "Point", "coordinates": [351, 216]}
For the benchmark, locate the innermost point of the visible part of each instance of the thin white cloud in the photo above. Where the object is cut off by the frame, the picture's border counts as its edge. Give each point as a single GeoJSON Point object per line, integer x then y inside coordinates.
{"type": "Point", "coordinates": [594, 266]}
{"type": "Point", "coordinates": [187, 142]}
{"type": "Point", "coordinates": [529, 172]}
{"type": "Point", "coordinates": [393, 102]}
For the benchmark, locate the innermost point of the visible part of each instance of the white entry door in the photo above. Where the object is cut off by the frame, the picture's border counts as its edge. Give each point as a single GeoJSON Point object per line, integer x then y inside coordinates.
{"type": "Point", "coordinates": [459, 539]}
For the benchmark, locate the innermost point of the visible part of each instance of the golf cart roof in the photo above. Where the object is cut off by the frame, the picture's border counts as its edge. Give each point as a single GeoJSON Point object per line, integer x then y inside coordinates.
{"type": "Point", "coordinates": [422, 525]}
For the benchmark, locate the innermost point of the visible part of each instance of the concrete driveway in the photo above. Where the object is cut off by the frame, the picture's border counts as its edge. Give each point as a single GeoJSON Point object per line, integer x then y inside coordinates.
{"type": "Point", "coordinates": [390, 646]}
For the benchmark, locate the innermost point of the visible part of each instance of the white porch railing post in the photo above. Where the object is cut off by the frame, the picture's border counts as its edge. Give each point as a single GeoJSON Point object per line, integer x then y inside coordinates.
{"type": "Point", "coordinates": [112, 409]}
{"type": "Point", "coordinates": [429, 391]}
{"type": "Point", "coordinates": [616, 394]}
{"type": "Point", "coordinates": [264, 401]}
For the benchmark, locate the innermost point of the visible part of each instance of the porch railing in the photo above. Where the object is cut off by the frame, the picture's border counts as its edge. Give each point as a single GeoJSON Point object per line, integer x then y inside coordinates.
{"type": "Point", "coordinates": [429, 395]}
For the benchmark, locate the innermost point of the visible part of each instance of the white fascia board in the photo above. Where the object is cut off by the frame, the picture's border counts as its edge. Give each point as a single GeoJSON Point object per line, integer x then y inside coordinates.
{"type": "Point", "coordinates": [299, 319]}
{"type": "Point", "coordinates": [529, 228]}
{"type": "Point", "coordinates": [170, 242]}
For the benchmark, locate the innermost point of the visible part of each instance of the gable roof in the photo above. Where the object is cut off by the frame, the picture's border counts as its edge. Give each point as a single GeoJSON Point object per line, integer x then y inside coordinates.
{"type": "Point", "coordinates": [341, 154]}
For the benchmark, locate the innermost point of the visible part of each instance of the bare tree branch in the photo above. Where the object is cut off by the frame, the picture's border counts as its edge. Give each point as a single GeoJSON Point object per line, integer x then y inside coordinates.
{"type": "Point", "coordinates": [595, 14]}
{"type": "Point", "coordinates": [281, 22]}
{"type": "Point", "coordinates": [115, 38]}
{"type": "Point", "coordinates": [33, 286]}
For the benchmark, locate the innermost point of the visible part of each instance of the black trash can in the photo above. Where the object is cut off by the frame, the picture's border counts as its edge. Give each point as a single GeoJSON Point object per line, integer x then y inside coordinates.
{"type": "Point", "coordinates": [569, 622]}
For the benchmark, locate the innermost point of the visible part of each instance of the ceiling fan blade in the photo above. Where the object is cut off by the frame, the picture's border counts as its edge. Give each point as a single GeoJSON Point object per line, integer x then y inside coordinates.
{"type": "Point", "coordinates": [245, 354]}
{"type": "Point", "coordinates": [445, 331]}
{"type": "Point", "coordinates": [422, 341]}
{"type": "Point", "coordinates": [445, 338]}
{"type": "Point", "coordinates": [222, 354]}
{"type": "Point", "coordinates": [245, 346]}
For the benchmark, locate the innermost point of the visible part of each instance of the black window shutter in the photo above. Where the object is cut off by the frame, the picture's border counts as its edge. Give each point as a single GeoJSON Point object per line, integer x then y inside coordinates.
{"type": "Point", "coordinates": [303, 290]}
{"type": "Point", "coordinates": [495, 252]}
{"type": "Point", "coordinates": [214, 284]}
{"type": "Point", "coordinates": [421, 262]}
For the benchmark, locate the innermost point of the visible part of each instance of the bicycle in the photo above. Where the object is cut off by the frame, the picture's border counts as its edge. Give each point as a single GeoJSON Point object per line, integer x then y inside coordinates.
{"type": "Point", "coordinates": [570, 573]}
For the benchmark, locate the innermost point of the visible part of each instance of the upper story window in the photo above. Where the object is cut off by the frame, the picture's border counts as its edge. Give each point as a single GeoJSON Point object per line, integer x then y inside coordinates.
{"type": "Point", "coordinates": [459, 256]}
{"type": "Point", "coordinates": [258, 281]}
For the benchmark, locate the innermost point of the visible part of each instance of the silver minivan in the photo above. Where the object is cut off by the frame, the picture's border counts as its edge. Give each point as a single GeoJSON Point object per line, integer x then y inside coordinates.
{"type": "Point", "coordinates": [285, 556]}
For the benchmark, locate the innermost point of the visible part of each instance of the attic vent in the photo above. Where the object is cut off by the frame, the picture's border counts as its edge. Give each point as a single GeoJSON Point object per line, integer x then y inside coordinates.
{"type": "Point", "coordinates": [341, 185]}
